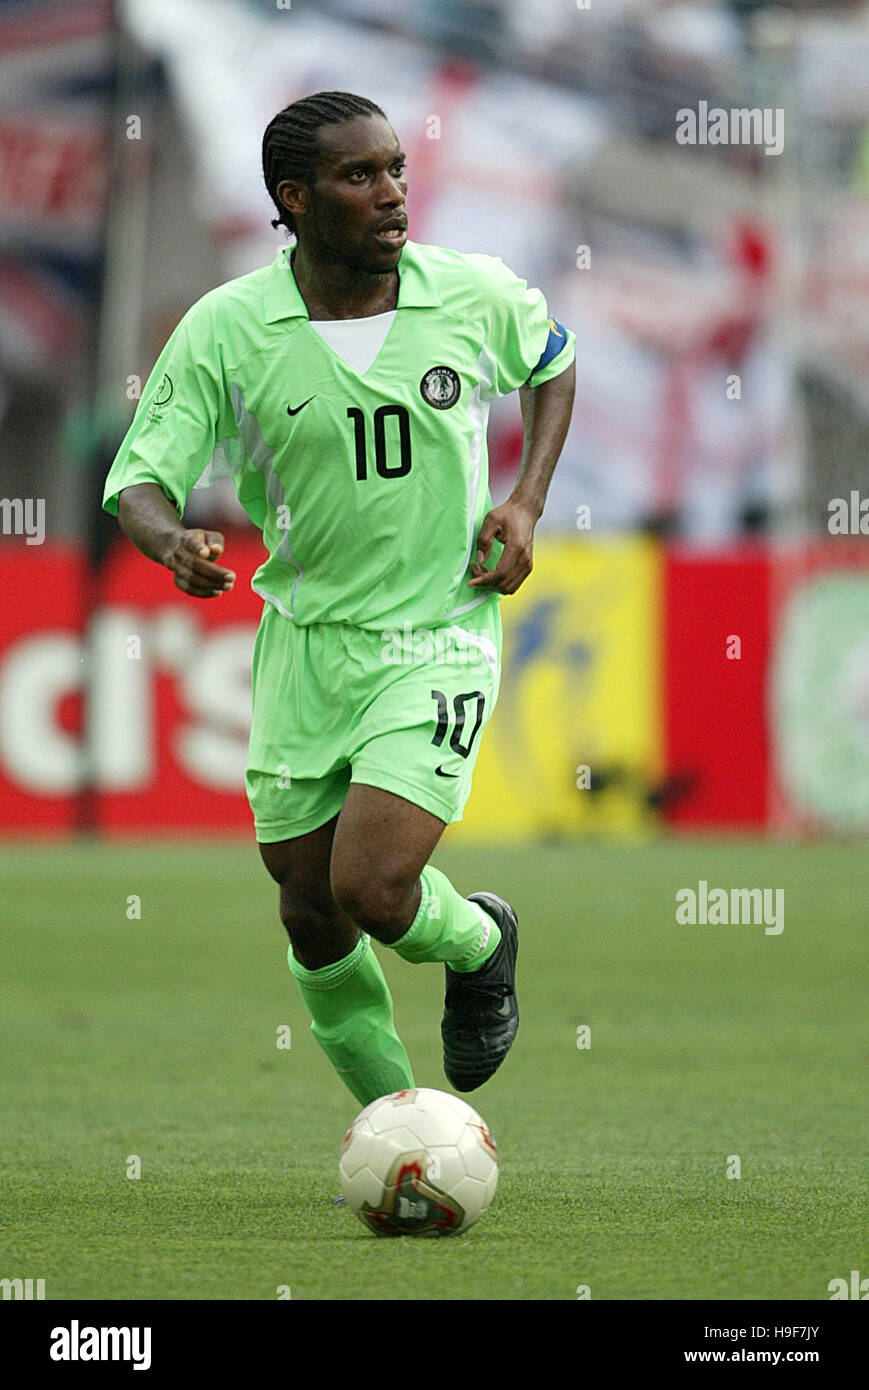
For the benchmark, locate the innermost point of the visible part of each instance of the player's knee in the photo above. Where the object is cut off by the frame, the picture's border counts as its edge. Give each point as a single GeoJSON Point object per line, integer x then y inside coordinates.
{"type": "Point", "coordinates": [306, 908]}
{"type": "Point", "coordinates": [308, 930]}
{"type": "Point", "coordinates": [299, 921]}
{"type": "Point", "coordinates": [376, 904]}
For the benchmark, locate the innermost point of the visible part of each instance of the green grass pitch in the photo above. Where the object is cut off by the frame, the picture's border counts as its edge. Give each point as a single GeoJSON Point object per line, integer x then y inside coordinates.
{"type": "Point", "coordinates": [157, 1038]}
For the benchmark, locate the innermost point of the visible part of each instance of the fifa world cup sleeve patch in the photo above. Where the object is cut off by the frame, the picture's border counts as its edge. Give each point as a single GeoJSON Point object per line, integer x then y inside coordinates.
{"type": "Point", "coordinates": [554, 343]}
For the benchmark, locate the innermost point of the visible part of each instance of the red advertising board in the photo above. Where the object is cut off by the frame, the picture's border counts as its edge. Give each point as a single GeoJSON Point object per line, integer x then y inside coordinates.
{"type": "Point", "coordinates": [166, 679]}
{"type": "Point", "coordinates": [166, 683]}
{"type": "Point", "coordinates": [41, 670]}
{"type": "Point", "coordinates": [716, 642]}
{"type": "Point", "coordinates": [172, 694]}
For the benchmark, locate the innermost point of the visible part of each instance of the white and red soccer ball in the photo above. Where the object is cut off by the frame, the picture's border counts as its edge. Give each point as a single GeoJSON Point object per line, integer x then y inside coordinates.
{"type": "Point", "coordinates": [419, 1162]}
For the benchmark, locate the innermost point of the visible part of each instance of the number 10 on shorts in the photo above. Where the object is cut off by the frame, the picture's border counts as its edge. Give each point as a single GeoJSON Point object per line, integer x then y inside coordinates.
{"type": "Point", "coordinates": [460, 708]}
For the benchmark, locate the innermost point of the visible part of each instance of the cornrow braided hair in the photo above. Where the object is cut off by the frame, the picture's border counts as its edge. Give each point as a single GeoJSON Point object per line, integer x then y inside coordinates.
{"type": "Point", "coordinates": [290, 141]}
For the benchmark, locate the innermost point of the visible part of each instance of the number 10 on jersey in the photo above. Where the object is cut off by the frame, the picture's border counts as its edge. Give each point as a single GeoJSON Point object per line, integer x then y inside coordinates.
{"type": "Point", "coordinates": [382, 447]}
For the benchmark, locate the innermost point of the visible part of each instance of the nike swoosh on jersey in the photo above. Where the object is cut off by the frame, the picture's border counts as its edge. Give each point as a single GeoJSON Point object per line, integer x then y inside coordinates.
{"type": "Point", "coordinates": [291, 411]}
{"type": "Point", "coordinates": [439, 772]}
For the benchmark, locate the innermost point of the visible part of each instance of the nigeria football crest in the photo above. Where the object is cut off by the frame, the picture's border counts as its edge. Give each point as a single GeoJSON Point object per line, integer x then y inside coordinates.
{"type": "Point", "coordinates": [440, 387]}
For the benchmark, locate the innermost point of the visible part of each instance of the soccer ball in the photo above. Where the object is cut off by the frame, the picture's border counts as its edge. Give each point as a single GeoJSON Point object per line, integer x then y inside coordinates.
{"type": "Point", "coordinates": [418, 1163]}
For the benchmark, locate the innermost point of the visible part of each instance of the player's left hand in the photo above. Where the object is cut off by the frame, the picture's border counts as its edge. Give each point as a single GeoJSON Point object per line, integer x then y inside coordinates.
{"type": "Point", "coordinates": [513, 524]}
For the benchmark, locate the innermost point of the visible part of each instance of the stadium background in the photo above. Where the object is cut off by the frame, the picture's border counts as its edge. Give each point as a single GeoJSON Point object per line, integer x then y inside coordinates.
{"type": "Point", "coordinates": [720, 298]}
{"type": "Point", "coordinates": [684, 510]}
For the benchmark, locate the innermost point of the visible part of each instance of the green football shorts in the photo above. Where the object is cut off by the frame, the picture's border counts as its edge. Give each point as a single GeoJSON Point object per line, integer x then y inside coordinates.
{"type": "Point", "coordinates": [402, 709]}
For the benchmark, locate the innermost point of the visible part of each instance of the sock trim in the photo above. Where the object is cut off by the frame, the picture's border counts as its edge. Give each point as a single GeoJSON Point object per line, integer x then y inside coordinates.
{"type": "Point", "coordinates": [487, 922]}
{"type": "Point", "coordinates": [330, 976]}
{"type": "Point", "coordinates": [416, 926]}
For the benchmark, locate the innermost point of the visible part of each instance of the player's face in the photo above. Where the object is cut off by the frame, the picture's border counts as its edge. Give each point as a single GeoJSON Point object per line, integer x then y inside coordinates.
{"type": "Point", "coordinates": [360, 189]}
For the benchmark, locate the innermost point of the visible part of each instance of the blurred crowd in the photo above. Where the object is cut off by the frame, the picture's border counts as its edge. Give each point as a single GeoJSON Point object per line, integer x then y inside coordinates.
{"type": "Point", "coordinates": [638, 55]}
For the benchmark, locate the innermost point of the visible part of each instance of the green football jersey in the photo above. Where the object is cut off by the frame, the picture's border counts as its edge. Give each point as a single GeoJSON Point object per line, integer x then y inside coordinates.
{"type": "Point", "coordinates": [369, 488]}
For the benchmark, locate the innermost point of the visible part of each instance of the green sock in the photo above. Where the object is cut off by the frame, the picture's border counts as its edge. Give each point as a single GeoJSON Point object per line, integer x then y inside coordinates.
{"type": "Point", "coordinates": [351, 1010]}
{"type": "Point", "coordinates": [448, 927]}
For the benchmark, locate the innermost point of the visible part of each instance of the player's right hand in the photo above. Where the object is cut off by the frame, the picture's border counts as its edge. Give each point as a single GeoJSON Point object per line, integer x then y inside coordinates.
{"type": "Point", "coordinates": [192, 562]}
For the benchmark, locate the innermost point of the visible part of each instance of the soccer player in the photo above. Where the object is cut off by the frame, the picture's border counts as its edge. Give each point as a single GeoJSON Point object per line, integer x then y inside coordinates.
{"type": "Point", "coordinates": [346, 389]}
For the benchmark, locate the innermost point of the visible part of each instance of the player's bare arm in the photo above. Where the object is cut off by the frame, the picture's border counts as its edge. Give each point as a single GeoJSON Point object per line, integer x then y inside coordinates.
{"type": "Point", "coordinates": [151, 522]}
{"type": "Point", "coordinates": [546, 413]}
